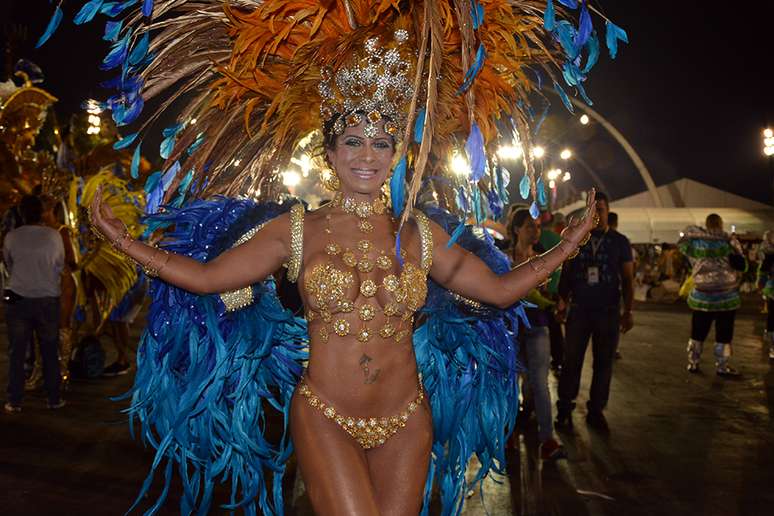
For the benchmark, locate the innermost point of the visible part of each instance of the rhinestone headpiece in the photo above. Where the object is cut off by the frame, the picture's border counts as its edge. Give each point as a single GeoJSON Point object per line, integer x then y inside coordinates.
{"type": "Point", "coordinates": [377, 81]}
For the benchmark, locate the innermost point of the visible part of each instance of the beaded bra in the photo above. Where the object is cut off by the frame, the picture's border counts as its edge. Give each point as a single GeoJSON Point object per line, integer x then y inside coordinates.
{"type": "Point", "coordinates": [332, 285]}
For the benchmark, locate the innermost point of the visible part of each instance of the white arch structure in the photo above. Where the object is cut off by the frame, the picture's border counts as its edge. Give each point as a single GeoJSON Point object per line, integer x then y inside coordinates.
{"type": "Point", "coordinates": [627, 147]}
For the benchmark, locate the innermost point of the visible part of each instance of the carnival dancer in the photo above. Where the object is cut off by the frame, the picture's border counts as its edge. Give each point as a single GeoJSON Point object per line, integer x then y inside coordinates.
{"type": "Point", "coordinates": [388, 90]}
{"type": "Point", "coordinates": [766, 285]}
{"type": "Point", "coordinates": [716, 259]}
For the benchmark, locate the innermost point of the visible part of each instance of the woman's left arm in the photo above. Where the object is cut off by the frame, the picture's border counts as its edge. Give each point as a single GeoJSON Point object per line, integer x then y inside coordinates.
{"type": "Point", "coordinates": [465, 274]}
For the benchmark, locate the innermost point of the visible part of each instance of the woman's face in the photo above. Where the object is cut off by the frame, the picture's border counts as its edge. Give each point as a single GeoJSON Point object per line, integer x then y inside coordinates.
{"type": "Point", "coordinates": [529, 232]}
{"type": "Point", "coordinates": [362, 163]}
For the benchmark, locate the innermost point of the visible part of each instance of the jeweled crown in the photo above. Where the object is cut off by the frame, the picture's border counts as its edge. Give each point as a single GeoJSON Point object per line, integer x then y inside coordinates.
{"type": "Point", "coordinates": [375, 84]}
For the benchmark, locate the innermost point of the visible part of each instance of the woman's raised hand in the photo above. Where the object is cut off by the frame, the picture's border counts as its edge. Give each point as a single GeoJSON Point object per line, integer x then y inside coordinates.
{"type": "Point", "coordinates": [103, 220]}
{"type": "Point", "coordinates": [578, 229]}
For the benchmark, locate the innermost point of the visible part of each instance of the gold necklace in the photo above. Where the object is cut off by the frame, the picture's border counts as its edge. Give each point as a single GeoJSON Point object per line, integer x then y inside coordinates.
{"type": "Point", "coordinates": [362, 209]}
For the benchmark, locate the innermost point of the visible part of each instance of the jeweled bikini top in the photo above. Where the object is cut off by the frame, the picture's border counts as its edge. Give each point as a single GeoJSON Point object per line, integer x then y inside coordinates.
{"type": "Point", "coordinates": [333, 287]}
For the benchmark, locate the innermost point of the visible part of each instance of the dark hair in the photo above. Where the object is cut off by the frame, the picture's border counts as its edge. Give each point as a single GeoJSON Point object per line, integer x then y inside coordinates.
{"type": "Point", "coordinates": [612, 218]}
{"type": "Point", "coordinates": [516, 219]}
{"type": "Point", "coordinates": [31, 209]}
{"type": "Point", "coordinates": [601, 196]}
{"type": "Point", "coordinates": [714, 220]}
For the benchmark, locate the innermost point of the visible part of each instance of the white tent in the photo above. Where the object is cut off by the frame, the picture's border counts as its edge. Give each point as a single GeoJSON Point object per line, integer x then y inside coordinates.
{"type": "Point", "coordinates": [656, 225]}
{"type": "Point", "coordinates": [688, 203]}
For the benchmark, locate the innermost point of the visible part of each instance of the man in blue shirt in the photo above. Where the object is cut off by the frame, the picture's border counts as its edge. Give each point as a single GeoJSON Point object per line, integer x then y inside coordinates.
{"type": "Point", "coordinates": [590, 291]}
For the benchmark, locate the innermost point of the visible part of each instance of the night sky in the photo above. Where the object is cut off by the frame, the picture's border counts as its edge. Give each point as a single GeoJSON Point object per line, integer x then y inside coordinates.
{"type": "Point", "coordinates": [692, 91]}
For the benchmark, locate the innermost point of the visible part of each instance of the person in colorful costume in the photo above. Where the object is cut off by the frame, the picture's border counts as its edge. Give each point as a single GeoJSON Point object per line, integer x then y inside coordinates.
{"type": "Point", "coordinates": [376, 274]}
{"type": "Point", "coordinates": [766, 286]}
{"type": "Point", "coordinates": [716, 259]}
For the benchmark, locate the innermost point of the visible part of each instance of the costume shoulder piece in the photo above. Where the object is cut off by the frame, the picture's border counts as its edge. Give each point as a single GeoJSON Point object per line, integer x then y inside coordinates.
{"type": "Point", "coordinates": [697, 243]}
{"type": "Point", "coordinates": [210, 377]}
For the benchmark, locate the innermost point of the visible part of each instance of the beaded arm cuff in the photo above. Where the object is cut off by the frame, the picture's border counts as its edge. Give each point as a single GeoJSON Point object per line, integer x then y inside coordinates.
{"type": "Point", "coordinates": [426, 238]}
{"type": "Point", "coordinates": [296, 241]}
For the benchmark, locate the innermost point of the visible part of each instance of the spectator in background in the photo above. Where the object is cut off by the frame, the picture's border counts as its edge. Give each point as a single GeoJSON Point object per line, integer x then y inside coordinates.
{"type": "Point", "coordinates": [612, 220]}
{"type": "Point", "coordinates": [590, 291]}
{"type": "Point", "coordinates": [766, 286]}
{"type": "Point", "coordinates": [549, 237]}
{"type": "Point", "coordinates": [524, 233]}
{"type": "Point", "coordinates": [34, 255]}
{"type": "Point", "coordinates": [716, 259]}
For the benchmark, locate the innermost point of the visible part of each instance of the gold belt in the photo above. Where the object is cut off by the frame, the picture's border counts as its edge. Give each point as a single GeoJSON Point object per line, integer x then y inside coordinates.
{"type": "Point", "coordinates": [369, 432]}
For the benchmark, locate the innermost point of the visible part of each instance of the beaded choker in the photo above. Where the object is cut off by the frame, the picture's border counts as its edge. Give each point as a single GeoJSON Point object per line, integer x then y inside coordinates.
{"type": "Point", "coordinates": [362, 209]}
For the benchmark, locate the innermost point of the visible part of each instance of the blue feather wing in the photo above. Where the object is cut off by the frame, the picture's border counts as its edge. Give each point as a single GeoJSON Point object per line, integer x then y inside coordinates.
{"type": "Point", "coordinates": [467, 355]}
{"type": "Point", "coordinates": [207, 379]}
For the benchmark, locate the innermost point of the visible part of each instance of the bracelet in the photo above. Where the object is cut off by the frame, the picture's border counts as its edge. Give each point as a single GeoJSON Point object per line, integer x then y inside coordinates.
{"type": "Point", "coordinates": [149, 269]}
{"type": "Point", "coordinates": [538, 264]}
{"type": "Point", "coordinates": [572, 253]}
{"type": "Point", "coordinates": [120, 242]}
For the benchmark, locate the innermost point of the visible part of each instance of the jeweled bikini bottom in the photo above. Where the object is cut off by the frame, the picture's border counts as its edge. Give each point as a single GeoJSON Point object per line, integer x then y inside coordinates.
{"type": "Point", "coordinates": [369, 432]}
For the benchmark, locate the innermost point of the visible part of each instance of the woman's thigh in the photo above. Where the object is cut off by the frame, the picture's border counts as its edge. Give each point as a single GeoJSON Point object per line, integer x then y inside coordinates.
{"type": "Point", "coordinates": [399, 467]}
{"type": "Point", "coordinates": [332, 464]}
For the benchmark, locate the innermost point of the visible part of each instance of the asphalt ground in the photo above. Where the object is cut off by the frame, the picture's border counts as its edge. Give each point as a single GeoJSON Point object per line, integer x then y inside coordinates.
{"type": "Point", "coordinates": [679, 444]}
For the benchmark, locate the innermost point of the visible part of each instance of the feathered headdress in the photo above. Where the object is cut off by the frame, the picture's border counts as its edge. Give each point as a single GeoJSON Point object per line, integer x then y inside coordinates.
{"type": "Point", "coordinates": [250, 79]}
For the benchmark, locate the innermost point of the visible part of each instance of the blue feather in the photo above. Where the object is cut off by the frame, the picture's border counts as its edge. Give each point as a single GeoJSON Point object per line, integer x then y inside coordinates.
{"type": "Point", "coordinates": [186, 182]}
{"type": "Point", "coordinates": [126, 141]}
{"type": "Point", "coordinates": [503, 179]}
{"type": "Point", "coordinates": [584, 27]}
{"type": "Point", "coordinates": [196, 144]}
{"type": "Point", "coordinates": [572, 4]}
{"type": "Point", "coordinates": [398, 187]}
{"type": "Point", "coordinates": [478, 206]}
{"type": "Point", "coordinates": [147, 8]}
{"type": "Point", "coordinates": [477, 13]}
{"type": "Point", "coordinates": [140, 50]}
{"type": "Point", "coordinates": [462, 200]}
{"type": "Point", "coordinates": [166, 147]}
{"type": "Point", "coordinates": [456, 235]}
{"type": "Point", "coordinates": [534, 210]}
{"type": "Point", "coordinates": [472, 72]}
{"type": "Point", "coordinates": [117, 54]}
{"type": "Point", "coordinates": [112, 30]}
{"type": "Point", "coordinates": [152, 181]}
{"type": "Point", "coordinates": [564, 97]}
{"type": "Point", "coordinates": [87, 12]}
{"type": "Point", "coordinates": [172, 130]}
{"type": "Point", "coordinates": [53, 24]}
{"type": "Point", "coordinates": [135, 169]}
{"type": "Point", "coordinates": [549, 17]}
{"type": "Point", "coordinates": [592, 46]}
{"type": "Point", "coordinates": [613, 34]}
{"type": "Point", "coordinates": [419, 126]}
{"type": "Point", "coordinates": [398, 254]}
{"type": "Point", "coordinates": [524, 186]}
{"type": "Point", "coordinates": [567, 35]}
{"type": "Point", "coordinates": [169, 175]}
{"type": "Point", "coordinates": [583, 95]}
{"type": "Point", "coordinates": [541, 192]}
{"type": "Point", "coordinates": [495, 204]}
{"type": "Point", "coordinates": [474, 148]}
{"type": "Point", "coordinates": [113, 9]}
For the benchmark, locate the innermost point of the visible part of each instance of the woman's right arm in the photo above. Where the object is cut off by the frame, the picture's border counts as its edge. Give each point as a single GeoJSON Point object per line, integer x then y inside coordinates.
{"type": "Point", "coordinates": [239, 267]}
